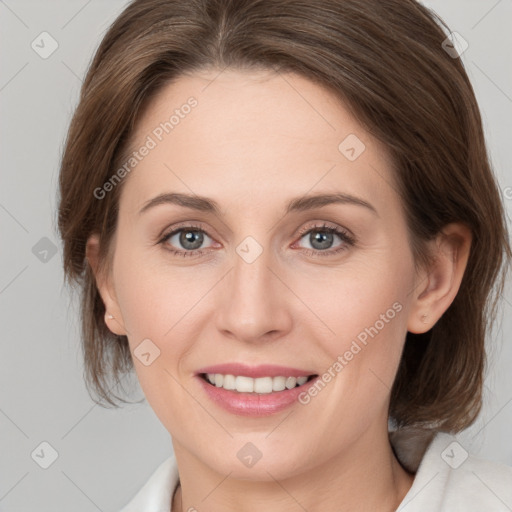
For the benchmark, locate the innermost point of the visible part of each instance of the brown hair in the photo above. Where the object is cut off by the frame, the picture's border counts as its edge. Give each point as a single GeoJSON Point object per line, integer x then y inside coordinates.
{"type": "Point", "coordinates": [384, 59]}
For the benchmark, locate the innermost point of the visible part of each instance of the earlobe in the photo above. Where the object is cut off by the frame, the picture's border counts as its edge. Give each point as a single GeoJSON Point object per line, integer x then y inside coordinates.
{"type": "Point", "coordinates": [113, 316]}
{"type": "Point", "coordinates": [440, 284]}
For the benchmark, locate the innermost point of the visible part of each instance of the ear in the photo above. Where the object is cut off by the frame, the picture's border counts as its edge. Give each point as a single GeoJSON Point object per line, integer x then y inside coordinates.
{"type": "Point", "coordinates": [113, 317]}
{"type": "Point", "coordinates": [438, 286]}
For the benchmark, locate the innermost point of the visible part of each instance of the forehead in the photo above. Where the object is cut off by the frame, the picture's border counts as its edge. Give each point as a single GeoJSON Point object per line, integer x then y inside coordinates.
{"type": "Point", "coordinates": [263, 133]}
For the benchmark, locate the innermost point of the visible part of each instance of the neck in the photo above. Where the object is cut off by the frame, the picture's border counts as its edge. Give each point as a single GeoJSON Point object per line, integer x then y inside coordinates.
{"type": "Point", "coordinates": [366, 476]}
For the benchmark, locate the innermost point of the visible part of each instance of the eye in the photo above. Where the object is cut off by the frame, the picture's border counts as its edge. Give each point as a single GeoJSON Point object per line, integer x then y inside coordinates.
{"type": "Point", "coordinates": [189, 237]}
{"type": "Point", "coordinates": [321, 238]}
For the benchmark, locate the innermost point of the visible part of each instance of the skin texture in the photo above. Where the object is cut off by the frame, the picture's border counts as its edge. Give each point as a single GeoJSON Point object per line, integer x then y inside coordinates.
{"type": "Point", "coordinates": [254, 141]}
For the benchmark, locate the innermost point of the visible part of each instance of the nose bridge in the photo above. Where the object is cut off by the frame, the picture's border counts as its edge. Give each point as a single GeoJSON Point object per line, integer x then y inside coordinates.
{"type": "Point", "coordinates": [251, 285]}
{"type": "Point", "coordinates": [251, 277]}
{"type": "Point", "coordinates": [252, 305]}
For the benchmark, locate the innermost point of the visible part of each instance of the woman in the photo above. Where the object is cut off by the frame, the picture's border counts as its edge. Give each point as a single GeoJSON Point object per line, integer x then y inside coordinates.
{"type": "Point", "coordinates": [281, 214]}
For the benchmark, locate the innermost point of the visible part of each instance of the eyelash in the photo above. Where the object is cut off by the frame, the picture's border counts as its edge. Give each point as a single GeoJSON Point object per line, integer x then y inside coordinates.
{"type": "Point", "coordinates": [348, 240]}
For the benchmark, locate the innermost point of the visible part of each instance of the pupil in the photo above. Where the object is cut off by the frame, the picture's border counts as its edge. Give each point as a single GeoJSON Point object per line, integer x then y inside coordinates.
{"type": "Point", "coordinates": [188, 237]}
{"type": "Point", "coordinates": [322, 238]}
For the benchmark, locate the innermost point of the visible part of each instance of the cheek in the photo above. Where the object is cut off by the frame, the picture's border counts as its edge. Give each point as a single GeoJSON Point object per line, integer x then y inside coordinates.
{"type": "Point", "coordinates": [365, 310]}
{"type": "Point", "coordinates": [154, 307]}
{"type": "Point", "coordinates": [161, 304]}
{"type": "Point", "coordinates": [150, 296]}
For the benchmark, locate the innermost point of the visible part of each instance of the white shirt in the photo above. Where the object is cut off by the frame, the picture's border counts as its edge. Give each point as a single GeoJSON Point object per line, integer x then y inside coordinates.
{"type": "Point", "coordinates": [447, 479]}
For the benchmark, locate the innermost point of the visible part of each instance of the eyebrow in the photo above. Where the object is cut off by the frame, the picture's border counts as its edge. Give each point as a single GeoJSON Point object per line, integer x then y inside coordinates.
{"type": "Point", "coordinates": [298, 204]}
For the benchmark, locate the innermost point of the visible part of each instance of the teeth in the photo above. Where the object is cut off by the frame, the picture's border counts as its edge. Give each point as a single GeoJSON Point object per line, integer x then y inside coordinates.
{"type": "Point", "coordinates": [262, 385]}
{"type": "Point", "coordinates": [229, 382]}
{"type": "Point", "coordinates": [278, 383]}
{"type": "Point", "coordinates": [291, 382]}
{"type": "Point", "coordinates": [244, 384]}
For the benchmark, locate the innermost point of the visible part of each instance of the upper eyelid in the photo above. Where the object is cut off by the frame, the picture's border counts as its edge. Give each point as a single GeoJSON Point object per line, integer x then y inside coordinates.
{"type": "Point", "coordinates": [190, 225]}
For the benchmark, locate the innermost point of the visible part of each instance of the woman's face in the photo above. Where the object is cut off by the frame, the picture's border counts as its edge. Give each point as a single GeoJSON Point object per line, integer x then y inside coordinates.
{"type": "Point", "coordinates": [271, 285]}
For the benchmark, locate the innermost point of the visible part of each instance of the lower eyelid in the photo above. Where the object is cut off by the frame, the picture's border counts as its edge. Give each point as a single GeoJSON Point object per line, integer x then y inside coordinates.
{"type": "Point", "coordinates": [346, 239]}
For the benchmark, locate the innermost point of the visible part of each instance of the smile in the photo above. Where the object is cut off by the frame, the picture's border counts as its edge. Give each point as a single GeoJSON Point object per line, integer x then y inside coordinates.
{"type": "Point", "coordinates": [262, 385]}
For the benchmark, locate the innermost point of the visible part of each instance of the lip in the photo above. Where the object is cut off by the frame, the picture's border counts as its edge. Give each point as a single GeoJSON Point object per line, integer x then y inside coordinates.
{"type": "Point", "coordinates": [263, 370]}
{"type": "Point", "coordinates": [254, 404]}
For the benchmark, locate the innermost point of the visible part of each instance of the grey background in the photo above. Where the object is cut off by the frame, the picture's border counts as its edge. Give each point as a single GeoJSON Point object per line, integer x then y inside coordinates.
{"type": "Point", "coordinates": [105, 456]}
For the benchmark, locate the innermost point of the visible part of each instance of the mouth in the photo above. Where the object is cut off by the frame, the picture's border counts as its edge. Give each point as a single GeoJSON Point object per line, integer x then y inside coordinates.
{"type": "Point", "coordinates": [254, 386]}
{"type": "Point", "coordinates": [248, 390]}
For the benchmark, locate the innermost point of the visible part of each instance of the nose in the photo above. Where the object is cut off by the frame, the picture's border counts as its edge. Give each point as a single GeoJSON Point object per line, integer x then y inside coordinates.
{"type": "Point", "coordinates": [254, 304]}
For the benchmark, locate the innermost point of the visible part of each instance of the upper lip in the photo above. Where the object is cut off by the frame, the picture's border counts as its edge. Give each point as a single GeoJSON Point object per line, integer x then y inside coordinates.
{"type": "Point", "coordinates": [264, 370]}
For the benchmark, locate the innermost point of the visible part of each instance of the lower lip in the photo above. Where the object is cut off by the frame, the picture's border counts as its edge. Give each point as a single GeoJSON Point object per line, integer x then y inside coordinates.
{"type": "Point", "coordinates": [254, 404]}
